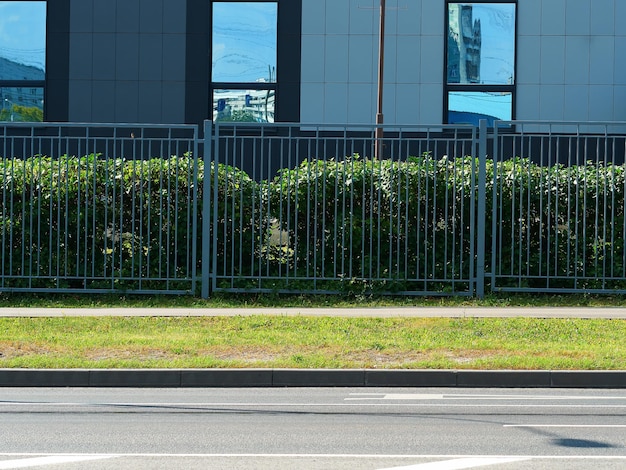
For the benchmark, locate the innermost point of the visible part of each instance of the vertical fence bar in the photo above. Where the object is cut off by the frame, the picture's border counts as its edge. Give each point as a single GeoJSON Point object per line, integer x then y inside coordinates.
{"type": "Point", "coordinates": [496, 211]}
{"type": "Point", "coordinates": [481, 214]}
{"type": "Point", "coordinates": [194, 214]}
{"type": "Point", "coordinates": [209, 217]}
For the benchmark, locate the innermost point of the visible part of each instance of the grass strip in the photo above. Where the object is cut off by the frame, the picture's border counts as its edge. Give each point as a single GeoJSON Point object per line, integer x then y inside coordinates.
{"type": "Point", "coordinates": [307, 342]}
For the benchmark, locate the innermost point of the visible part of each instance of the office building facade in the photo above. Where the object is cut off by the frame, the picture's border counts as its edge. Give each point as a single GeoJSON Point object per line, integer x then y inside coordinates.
{"type": "Point", "coordinates": [311, 61]}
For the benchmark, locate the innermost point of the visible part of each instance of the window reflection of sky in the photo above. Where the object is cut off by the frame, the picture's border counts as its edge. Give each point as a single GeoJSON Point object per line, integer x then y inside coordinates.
{"type": "Point", "coordinates": [244, 41]}
{"type": "Point", "coordinates": [497, 67]}
{"type": "Point", "coordinates": [498, 42]}
{"type": "Point", "coordinates": [23, 33]}
{"type": "Point", "coordinates": [485, 104]}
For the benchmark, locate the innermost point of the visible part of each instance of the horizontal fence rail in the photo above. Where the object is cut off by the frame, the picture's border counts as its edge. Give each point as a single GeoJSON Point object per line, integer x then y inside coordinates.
{"type": "Point", "coordinates": [308, 209]}
{"type": "Point", "coordinates": [98, 207]}
{"type": "Point", "coordinates": [557, 207]}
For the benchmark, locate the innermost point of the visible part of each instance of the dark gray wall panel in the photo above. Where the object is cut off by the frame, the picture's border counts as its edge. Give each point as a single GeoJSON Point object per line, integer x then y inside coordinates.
{"type": "Point", "coordinates": [121, 62]}
{"type": "Point", "coordinates": [127, 20]}
{"type": "Point", "coordinates": [104, 56]}
{"type": "Point", "coordinates": [79, 105]}
{"type": "Point", "coordinates": [81, 16]}
{"type": "Point", "coordinates": [103, 101]}
{"type": "Point", "coordinates": [150, 102]}
{"type": "Point", "coordinates": [151, 16]}
{"type": "Point", "coordinates": [150, 57]}
{"type": "Point", "coordinates": [173, 107]}
{"type": "Point", "coordinates": [104, 16]}
{"type": "Point", "coordinates": [127, 56]}
{"type": "Point", "coordinates": [127, 101]}
{"type": "Point", "coordinates": [174, 17]}
{"type": "Point", "coordinates": [81, 56]}
{"type": "Point", "coordinates": [173, 59]}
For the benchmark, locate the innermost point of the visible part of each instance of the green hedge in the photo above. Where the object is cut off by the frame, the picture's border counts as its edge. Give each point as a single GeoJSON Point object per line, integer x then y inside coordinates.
{"type": "Point", "coordinates": [564, 222]}
{"type": "Point", "coordinates": [374, 224]}
{"type": "Point", "coordinates": [394, 222]}
{"type": "Point", "coordinates": [91, 222]}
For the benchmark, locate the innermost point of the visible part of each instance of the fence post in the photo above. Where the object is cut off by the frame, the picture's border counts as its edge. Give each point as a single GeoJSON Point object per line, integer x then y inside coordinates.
{"type": "Point", "coordinates": [481, 207]}
{"type": "Point", "coordinates": [207, 215]}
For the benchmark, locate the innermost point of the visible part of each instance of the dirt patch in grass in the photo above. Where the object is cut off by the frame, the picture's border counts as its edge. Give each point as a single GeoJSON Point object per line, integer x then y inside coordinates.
{"type": "Point", "coordinates": [144, 354]}
{"type": "Point", "coordinates": [251, 356]}
{"type": "Point", "coordinates": [248, 355]}
{"type": "Point", "coordinates": [10, 351]}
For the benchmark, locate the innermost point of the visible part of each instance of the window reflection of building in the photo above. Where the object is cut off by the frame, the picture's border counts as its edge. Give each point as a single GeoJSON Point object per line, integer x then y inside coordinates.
{"type": "Point", "coordinates": [244, 105]}
{"type": "Point", "coordinates": [20, 96]}
{"type": "Point", "coordinates": [464, 45]}
{"type": "Point", "coordinates": [245, 44]}
{"type": "Point", "coordinates": [480, 77]}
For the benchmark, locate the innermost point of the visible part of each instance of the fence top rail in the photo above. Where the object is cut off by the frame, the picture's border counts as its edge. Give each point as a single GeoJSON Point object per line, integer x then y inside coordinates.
{"type": "Point", "coordinates": [559, 123]}
{"type": "Point", "coordinates": [98, 125]}
{"type": "Point", "coordinates": [344, 126]}
{"type": "Point", "coordinates": [121, 131]}
{"type": "Point", "coordinates": [581, 128]}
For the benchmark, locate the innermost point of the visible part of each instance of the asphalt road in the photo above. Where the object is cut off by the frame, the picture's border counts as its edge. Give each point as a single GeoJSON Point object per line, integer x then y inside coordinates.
{"type": "Point", "coordinates": [304, 428]}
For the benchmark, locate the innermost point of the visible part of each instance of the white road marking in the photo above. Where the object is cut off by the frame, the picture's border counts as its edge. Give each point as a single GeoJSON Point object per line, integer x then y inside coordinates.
{"type": "Point", "coordinates": [50, 460]}
{"type": "Point", "coordinates": [257, 405]}
{"type": "Point", "coordinates": [32, 456]}
{"type": "Point", "coordinates": [399, 396]}
{"type": "Point", "coordinates": [459, 464]}
{"type": "Point", "coordinates": [564, 425]}
{"type": "Point", "coordinates": [439, 396]}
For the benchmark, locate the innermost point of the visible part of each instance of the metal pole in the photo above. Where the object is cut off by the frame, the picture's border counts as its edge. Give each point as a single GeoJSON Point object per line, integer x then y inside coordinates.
{"type": "Point", "coordinates": [381, 67]}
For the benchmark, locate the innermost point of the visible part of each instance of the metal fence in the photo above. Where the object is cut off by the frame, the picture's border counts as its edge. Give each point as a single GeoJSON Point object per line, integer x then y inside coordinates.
{"type": "Point", "coordinates": [95, 208]}
{"type": "Point", "coordinates": [557, 203]}
{"type": "Point", "coordinates": [443, 210]}
{"type": "Point", "coordinates": [307, 209]}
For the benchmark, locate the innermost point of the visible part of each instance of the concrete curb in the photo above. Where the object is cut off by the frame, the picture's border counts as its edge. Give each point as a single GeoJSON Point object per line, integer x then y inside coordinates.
{"type": "Point", "coordinates": [224, 378]}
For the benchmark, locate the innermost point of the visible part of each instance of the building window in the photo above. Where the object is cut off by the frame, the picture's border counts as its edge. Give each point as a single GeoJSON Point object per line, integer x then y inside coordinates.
{"type": "Point", "coordinates": [480, 62]}
{"type": "Point", "coordinates": [244, 56]}
{"type": "Point", "coordinates": [22, 60]}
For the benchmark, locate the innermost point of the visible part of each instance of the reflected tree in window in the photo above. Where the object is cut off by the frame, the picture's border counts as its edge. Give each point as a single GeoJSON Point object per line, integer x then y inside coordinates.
{"type": "Point", "coordinates": [22, 60]}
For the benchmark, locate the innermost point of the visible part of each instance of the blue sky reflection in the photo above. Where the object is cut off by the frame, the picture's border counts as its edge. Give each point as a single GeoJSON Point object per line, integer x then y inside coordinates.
{"type": "Point", "coordinates": [244, 41]}
{"type": "Point", "coordinates": [498, 42]}
{"type": "Point", "coordinates": [23, 33]}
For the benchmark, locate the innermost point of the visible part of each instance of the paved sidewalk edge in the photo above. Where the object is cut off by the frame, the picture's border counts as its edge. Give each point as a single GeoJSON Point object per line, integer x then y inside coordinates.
{"type": "Point", "coordinates": [378, 312]}
{"type": "Point", "coordinates": [223, 378]}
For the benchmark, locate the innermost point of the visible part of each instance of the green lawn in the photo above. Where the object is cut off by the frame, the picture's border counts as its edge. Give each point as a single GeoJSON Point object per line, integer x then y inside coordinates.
{"type": "Point", "coordinates": [304, 342]}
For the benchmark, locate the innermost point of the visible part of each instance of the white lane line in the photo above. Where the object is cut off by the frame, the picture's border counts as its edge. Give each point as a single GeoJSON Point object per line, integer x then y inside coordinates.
{"type": "Point", "coordinates": [49, 460]}
{"type": "Point", "coordinates": [564, 425]}
{"type": "Point", "coordinates": [257, 405]}
{"type": "Point", "coordinates": [398, 396]}
{"type": "Point", "coordinates": [459, 464]}
{"type": "Point", "coordinates": [320, 456]}
{"type": "Point", "coordinates": [436, 396]}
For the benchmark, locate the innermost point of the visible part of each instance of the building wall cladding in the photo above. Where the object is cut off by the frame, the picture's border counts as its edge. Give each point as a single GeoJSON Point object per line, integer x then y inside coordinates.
{"type": "Point", "coordinates": [340, 56]}
{"type": "Point", "coordinates": [127, 61]}
{"type": "Point", "coordinates": [569, 65]}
